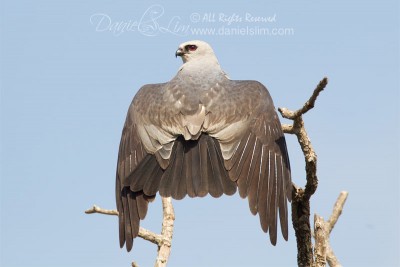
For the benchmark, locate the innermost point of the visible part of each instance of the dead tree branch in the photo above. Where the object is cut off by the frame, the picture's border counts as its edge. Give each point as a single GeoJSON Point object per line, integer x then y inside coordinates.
{"type": "Point", "coordinates": [331, 257]}
{"type": "Point", "coordinates": [97, 209]}
{"type": "Point", "coordinates": [163, 241]}
{"type": "Point", "coordinates": [301, 197]}
{"type": "Point", "coordinates": [337, 210]}
{"type": "Point", "coordinates": [320, 241]}
{"type": "Point", "coordinates": [164, 247]}
{"type": "Point", "coordinates": [323, 252]}
{"type": "Point", "coordinates": [328, 225]}
{"type": "Point", "coordinates": [292, 115]}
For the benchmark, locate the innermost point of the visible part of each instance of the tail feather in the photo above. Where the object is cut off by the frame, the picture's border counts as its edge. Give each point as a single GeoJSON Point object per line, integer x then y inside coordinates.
{"type": "Point", "coordinates": [177, 173]}
{"type": "Point", "coordinates": [204, 167]}
{"type": "Point", "coordinates": [195, 173]}
{"type": "Point", "coordinates": [188, 168]}
{"type": "Point", "coordinates": [214, 181]}
{"type": "Point", "coordinates": [197, 168]}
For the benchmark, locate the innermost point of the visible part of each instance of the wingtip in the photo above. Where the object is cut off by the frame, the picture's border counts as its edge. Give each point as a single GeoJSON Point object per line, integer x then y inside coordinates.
{"type": "Point", "coordinates": [121, 243]}
{"type": "Point", "coordinates": [129, 245]}
{"type": "Point", "coordinates": [273, 238]}
{"type": "Point", "coordinates": [273, 241]}
{"type": "Point", "coordinates": [286, 237]}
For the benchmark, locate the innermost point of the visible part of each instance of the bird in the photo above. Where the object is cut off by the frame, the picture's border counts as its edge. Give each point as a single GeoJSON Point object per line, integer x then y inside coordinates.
{"type": "Point", "coordinates": [202, 133]}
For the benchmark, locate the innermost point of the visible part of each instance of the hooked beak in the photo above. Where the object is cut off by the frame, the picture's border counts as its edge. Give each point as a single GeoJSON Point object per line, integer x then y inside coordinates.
{"type": "Point", "coordinates": [179, 52]}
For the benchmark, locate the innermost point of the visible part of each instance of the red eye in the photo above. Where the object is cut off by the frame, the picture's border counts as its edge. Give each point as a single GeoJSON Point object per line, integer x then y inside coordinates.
{"type": "Point", "coordinates": [191, 47]}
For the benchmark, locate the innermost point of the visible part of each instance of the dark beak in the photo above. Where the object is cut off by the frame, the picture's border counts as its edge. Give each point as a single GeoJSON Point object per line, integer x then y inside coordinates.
{"type": "Point", "coordinates": [179, 53]}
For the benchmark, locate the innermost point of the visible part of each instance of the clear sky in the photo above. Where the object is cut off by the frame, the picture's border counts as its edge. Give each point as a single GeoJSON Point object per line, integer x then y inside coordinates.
{"type": "Point", "coordinates": [69, 70]}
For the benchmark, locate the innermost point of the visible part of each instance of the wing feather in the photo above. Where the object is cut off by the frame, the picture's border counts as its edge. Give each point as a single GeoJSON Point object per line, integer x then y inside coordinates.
{"type": "Point", "coordinates": [283, 212]}
{"type": "Point", "coordinates": [241, 145]}
{"type": "Point", "coordinates": [127, 221]}
{"type": "Point", "coordinates": [229, 163]}
{"type": "Point", "coordinates": [137, 170]}
{"type": "Point", "coordinates": [133, 213]}
{"type": "Point", "coordinates": [237, 169]}
{"type": "Point", "coordinates": [264, 188]}
{"type": "Point", "coordinates": [254, 183]}
{"type": "Point", "coordinates": [152, 184]}
{"type": "Point", "coordinates": [272, 195]}
{"type": "Point", "coordinates": [142, 205]}
{"type": "Point", "coordinates": [257, 160]}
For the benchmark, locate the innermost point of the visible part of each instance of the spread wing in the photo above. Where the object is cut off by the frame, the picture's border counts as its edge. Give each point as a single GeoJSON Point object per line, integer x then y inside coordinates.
{"type": "Point", "coordinates": [237, 141]}
{"type": "Point", "coordinates": [254, 150]}
{"type": "Point", "coordinates": [132, 204]}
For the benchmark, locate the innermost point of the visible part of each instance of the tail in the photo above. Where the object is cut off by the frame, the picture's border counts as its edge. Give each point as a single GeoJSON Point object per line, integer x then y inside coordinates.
{"type": "Point", "coordinates": [196, 168]}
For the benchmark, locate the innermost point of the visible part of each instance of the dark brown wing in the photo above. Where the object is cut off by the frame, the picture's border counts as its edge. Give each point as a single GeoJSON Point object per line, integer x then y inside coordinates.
{"type": "Point", "coordinates": [133, 194]}
{"type": "Point", "coordinates": [255, 151]}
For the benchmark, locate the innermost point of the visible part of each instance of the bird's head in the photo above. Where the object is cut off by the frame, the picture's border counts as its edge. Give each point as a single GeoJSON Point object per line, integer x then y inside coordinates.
{"type": "Point", "coordinates": [194, 50]}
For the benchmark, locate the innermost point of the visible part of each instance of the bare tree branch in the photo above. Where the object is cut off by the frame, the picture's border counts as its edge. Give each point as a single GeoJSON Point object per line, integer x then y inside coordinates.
{"type": "Point", "coordinates": [301, 226]}
{"type": "Point", "coordinates": [331, 257]}
{"type": "Point", "coordinates": [299, 130]}
{"type": "Point", "coordinates": [292, 115]}
{"type": "Point", "coordinates": [163, 241]}
{"type": "Point", "coordinates": [301, 197]}
{"type": "Point", "coordinates": [143, 233]}
{"type": "Point", "coordinates": [97, 209]}
{"type": "Point", "coordinates": [320, 241]}
{"type": "Point", "coordinates": [337, 210]}
{"type": "Point", "coordinates": [286, 128]}
{"type": "Point", "coordinates": [164, 247]}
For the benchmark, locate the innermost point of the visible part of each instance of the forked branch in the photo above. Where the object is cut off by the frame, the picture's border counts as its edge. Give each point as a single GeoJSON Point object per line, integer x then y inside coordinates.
{"type": "Point", "coordinates": [301, 197]}
{"type": "Point", "coordinates": [324, 237]}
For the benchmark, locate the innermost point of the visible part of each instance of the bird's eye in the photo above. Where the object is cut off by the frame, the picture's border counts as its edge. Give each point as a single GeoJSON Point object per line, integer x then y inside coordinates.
{"type": "Point", "coordinates": [191, 47]}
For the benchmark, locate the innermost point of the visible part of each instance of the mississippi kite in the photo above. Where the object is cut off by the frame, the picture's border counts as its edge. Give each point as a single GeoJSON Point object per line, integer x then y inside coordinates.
{"type": "Point", "coordinates": [202, 133]}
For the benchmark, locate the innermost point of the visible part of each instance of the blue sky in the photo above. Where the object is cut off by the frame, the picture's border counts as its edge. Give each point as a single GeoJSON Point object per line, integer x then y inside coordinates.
{"type": "Point", "coordinates": [67, 79]}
